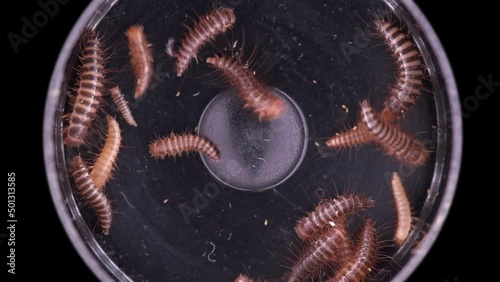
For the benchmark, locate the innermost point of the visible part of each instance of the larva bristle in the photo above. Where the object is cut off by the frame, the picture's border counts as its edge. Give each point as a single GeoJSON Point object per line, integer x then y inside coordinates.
{"type": "Point", "coordinates": [205, 30]}
{"type": "Point", "coordinates": [359, 266]}
{"type": "Point", "coordinates": [122, 105]}
{"type": "Point", "coordinates": [90, 88]}
{"type": "Point", "coordinates": [97, 199]}
{"type": "Point", "coordinates": [331, 248]}
{"type": "Point", "coordinates": [356, 136]}
{"type": "Point", "coordinates": [243, 278]}
{"type": "Point", "coordinates": [141, 58]}
{"type": "Point", "coordinates": [175, 145]}
{"type": "Point", "coordinates": [265, 104]}
{"type": "Point", "coordinates": [394, 142]}
{"type": "Point", "coordinates": [105, 163]}
{"type": "Point", "coordinates": [403, 209]}
{"type": "Point", "coordinates": [330, 212]}
{"type": "Point", "coordinates": [411, 71]}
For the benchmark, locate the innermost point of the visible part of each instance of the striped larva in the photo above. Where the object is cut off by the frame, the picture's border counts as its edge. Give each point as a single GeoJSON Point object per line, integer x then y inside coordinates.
{"type": "Point", "coordinates": [105, 163]}
{"type": "Point", "coordinates": [122, 105]}
{"type": "Point", "coordinates": [90, 88]}
{"type": "Point", "coordinates": [141, 58]}
{"type": "Point", "coordinates": [359, 266]}
{"type": "Point", "coordinates": [256, 96]}
{"type": "Point", "coordinates": [356, 136]}
{"type": "Point", "coordinates": [394, 142]}
{"type": "Point", "coordinates": [329, 212]}
{"type": "Point", "coordinates": [403, 209]}
{"type": "Point", "coordinates": [174, 145]}
{"type": "Point", "coordinates": [87, 189]}
{"type": "Point", "coordinates": [205, 30]}
{"type": "Point", "coordinates": [411, 71]}
{"type": "Point", "coordinates": [331, 247]}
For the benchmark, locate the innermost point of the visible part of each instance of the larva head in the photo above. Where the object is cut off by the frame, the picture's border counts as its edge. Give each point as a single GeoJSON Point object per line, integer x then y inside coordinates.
{"type": "Point", "coordinates": [220, 63]}
{"type": "Point", "coordinates": [155, 149]}
{"type": "Point", "coordinates": [134, 30]}
{"type": "Point", "coordinates": [417, 155]}
{"type": "Point", "coordinates": [303, 228]}
{"type": "Point", "coordinates": [77, 163]}
{"type": "Point", "coordinates": [367, 113]}
{"type": "Point", "coordinates": [75, 136]}
{"type": "Point", "coordinates": [382, 26]}
{"type": "Point", "coordinates": [243, 278]}
{"type": "Point", "coordinates": [273, 111]}
{"type": "Point", "coordinates": [228, 18]}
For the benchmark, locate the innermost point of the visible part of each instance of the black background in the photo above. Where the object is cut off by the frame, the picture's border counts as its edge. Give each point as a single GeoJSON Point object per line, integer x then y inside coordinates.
{"type": "Point", "coordinates": [466, 33]}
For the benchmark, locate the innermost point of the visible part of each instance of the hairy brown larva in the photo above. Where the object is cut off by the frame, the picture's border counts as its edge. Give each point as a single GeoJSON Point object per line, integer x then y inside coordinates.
{"type": "Point", "coordinates": [141, 58]}
{"type": "Point", "coordinates": [105, 163]}
{"type": "Point", "coordinates": [330, 248]}
{"type": "Point", "coordinates": [403, 209]}
{"type": "Point", "coordinates": [359, 266]}
{"type": "Point", "coordinates": [409, 83]}
{"type": "Point", "coordinates": [122, 105]}
{"type": "Point", "coordinates": [392, 140]}
{"type": "Point", "coordinates": [257, 97]}
{"type": "Point", "coordinates": [97, 199]}
{"type": "Point", "coordinates": [329, 211]}
{"type": "Point", "coordinates": [205, 30]}
{"type": "Point", "coordinates": [90, 88]}
{"type": "Point", "coordinates": [175, 145]}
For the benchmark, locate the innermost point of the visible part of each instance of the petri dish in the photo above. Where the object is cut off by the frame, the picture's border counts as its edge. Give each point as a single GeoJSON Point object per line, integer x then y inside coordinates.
{"type": "Point", "coordinates": [179, 219]}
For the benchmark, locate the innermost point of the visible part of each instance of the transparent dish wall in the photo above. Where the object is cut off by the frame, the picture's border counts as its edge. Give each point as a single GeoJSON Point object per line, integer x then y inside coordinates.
{"type": "Point", "coordinates": [190, 219]}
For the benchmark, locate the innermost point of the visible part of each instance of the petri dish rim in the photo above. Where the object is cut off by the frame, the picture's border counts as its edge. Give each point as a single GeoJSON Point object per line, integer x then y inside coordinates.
{"type": "Point", "coordinates": [93, 256]}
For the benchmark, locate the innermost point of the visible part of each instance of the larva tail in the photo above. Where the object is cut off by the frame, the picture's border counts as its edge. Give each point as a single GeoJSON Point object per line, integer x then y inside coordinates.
{"type": "Point", "coordinates": [97, 199]}
{"type": "Point", "coordinates": [359, 266]}
{"type": "Point", "coordinates": [356, 136]}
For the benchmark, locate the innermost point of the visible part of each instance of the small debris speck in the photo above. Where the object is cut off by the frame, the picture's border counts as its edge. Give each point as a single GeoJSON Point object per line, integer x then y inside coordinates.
{"type": "Point", "coordinates": [345, 108]}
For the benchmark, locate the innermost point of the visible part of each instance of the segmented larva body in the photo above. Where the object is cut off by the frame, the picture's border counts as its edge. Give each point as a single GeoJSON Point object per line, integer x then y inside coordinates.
{"type": "Point", "coordinates": [331, 247]}
{"type": "Point", "coordinates": [411, 71]}
{"type": "Point", "coordinates": [403, 209]}
{"type": "Point", "coordinates": [330, 211]}
{"type": "Point", "coordinates": [205, 30]}
{"type": "Point", "coordinates": [141, 58]}
{"type": "Point", "coordinates": [97, 199]}
{"type": "Point", "coordinates": [105, 163]}
{"type": "Point", "coordinates": [243, 278]}
{"type": "Point", "coordinates": [89, 91]}
{"type": "Point", "coordinates": [356, 136]}
{"type": "Point", "coordinates": [392, 140]}
{"type": "Point", "coordinates": [263, 102]}
{"type": "Point", "coordinates": [359, 266]}
{"type": "Point", "coordinates": [122, 105]}
{"type": "Point", "coordinates": [175, 145]}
